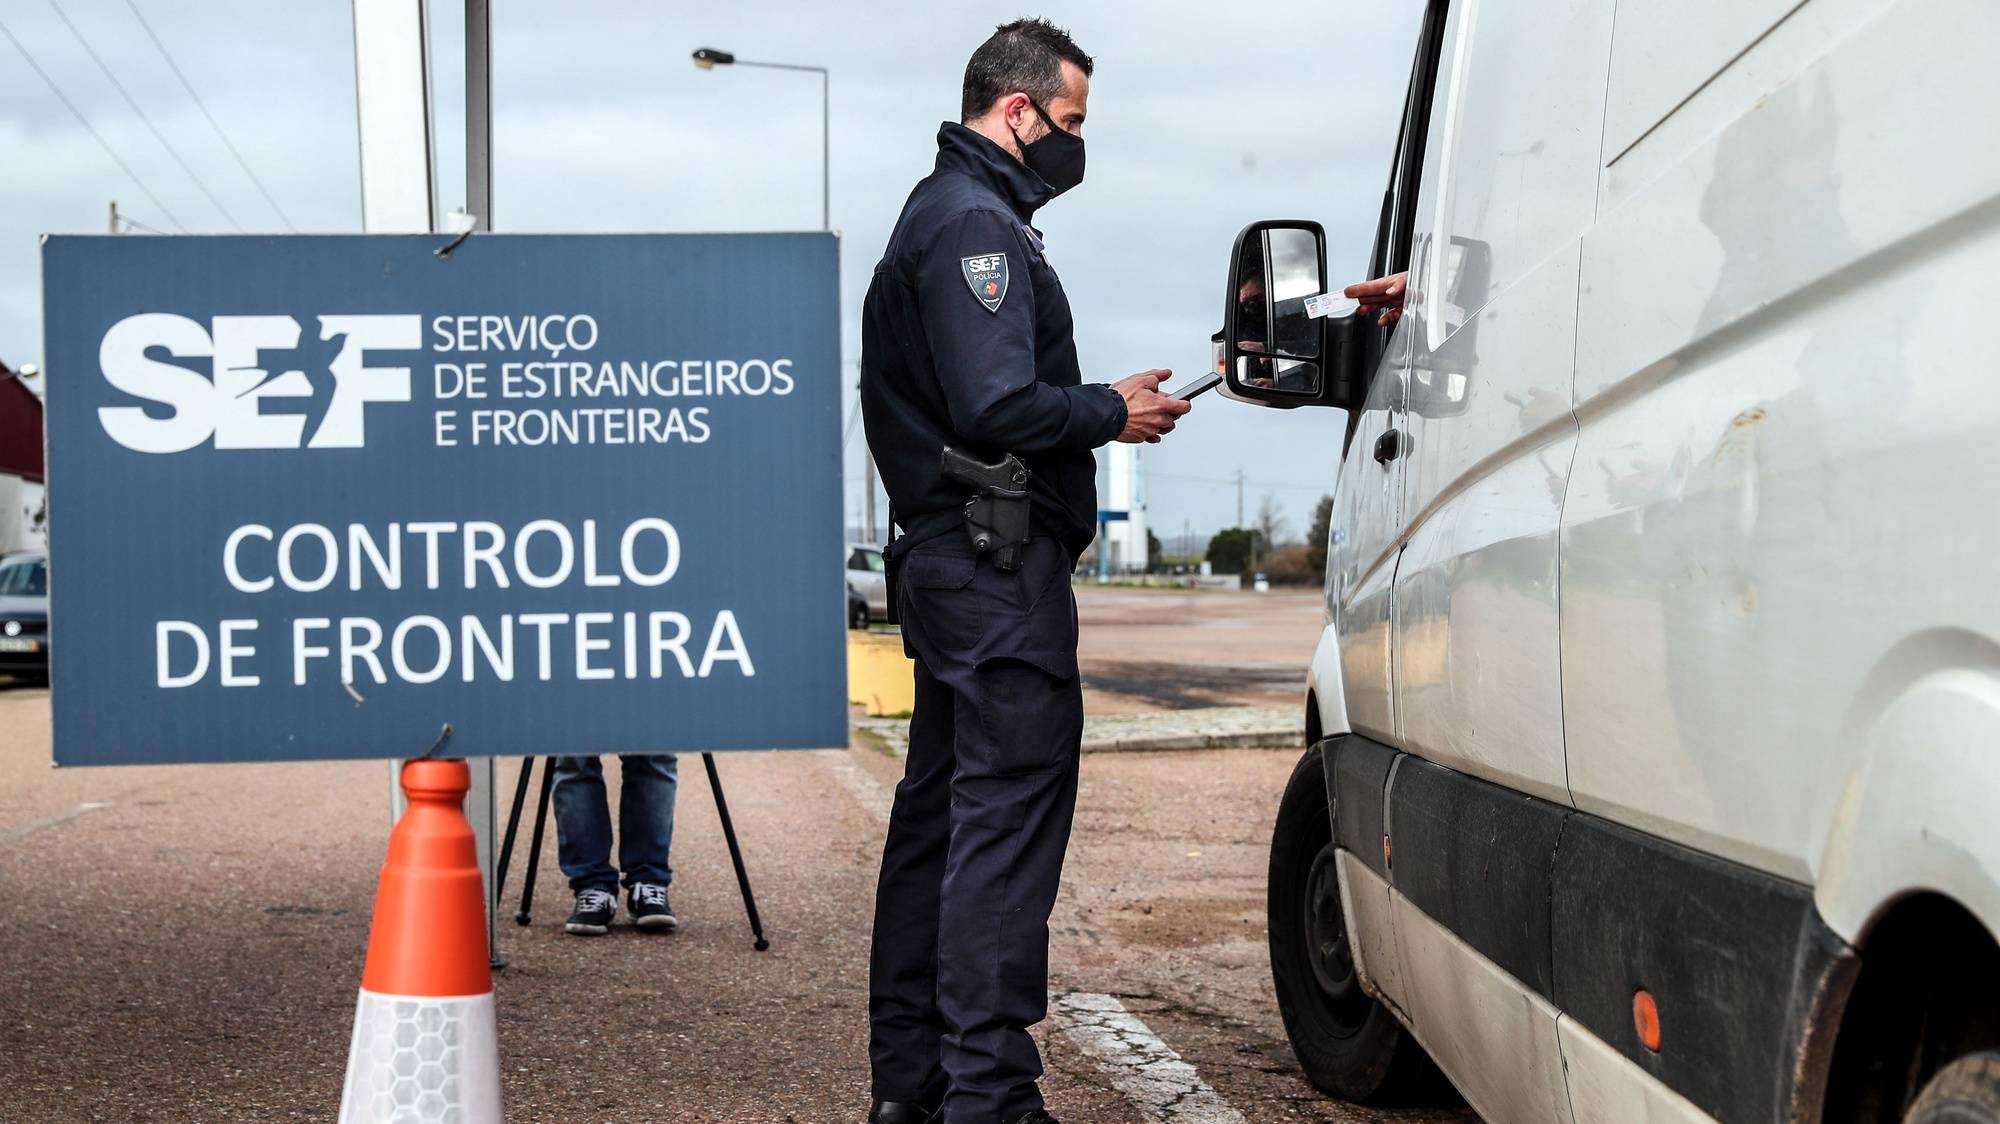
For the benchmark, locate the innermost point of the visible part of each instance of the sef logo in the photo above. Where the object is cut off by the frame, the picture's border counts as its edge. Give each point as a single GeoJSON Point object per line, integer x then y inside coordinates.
{"type": "Point", "coordinates": [981, 265]}
{"type": "Point", "coordinates": [226, 405]}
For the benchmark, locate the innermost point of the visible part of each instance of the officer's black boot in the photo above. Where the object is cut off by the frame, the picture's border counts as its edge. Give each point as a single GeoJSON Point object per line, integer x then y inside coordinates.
{"type": "Point", "coordinates": [899, 1112]}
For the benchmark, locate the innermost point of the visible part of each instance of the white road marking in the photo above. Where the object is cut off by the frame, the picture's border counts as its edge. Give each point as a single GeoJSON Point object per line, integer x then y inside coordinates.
{"type": "Point", "coordinates": [1141, 1066]}
{"type": "Point", "coordinates": [79, 810]}
{"type": "Point", "coordinates": [866, 790]}
{"type": "Point", "coordinates": [1145, 1069]}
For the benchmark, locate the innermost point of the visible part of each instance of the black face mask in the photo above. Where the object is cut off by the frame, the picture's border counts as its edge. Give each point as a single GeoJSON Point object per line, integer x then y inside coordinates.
{"type": "Point", "coordinates": [1056, 156]}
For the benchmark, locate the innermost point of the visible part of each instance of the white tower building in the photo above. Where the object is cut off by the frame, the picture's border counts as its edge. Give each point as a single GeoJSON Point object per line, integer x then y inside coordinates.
{"type": "Point", "coordinates": [1125, 492]}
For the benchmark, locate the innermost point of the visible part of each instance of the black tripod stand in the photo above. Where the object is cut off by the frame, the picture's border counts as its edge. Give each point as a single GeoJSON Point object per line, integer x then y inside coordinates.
{"type": "Point", "coordinates": [541, 824]}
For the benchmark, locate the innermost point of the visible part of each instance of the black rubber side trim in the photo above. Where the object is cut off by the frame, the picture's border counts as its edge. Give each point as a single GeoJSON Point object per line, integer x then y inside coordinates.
{"type": "Point", "coordinates": [1478, 858]}
{"type": "Point", "coordinates": [1587, 912]}
{"type": "Point", "coordinates": [1733, 958]}
{"type": "Point", "coordinates": [1357, 784]}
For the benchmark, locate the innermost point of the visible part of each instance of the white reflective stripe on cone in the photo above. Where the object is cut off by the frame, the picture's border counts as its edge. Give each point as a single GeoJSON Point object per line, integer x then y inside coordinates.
{"type": "Point", "coordinates": [422, 1060]}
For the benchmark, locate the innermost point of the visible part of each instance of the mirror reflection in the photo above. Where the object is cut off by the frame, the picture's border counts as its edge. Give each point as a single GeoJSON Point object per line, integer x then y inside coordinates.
{"type": "Point", "coordinates": [1275, 341]}
{"type": "Point", "coordinates": [1294, 375]}
{"type": "Point", "coordinates": [1253, 318]}
{"type": "Point", "coordinates": [1277, 272]}
{"type": "Point", "coordinates": [1444, 359]}
{"type": "Point", "coordinates": [1294, 273]}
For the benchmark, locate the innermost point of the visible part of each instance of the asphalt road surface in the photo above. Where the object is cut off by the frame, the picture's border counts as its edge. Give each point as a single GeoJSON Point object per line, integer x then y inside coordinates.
{"type": "Point", "coordinates": [184, 943]}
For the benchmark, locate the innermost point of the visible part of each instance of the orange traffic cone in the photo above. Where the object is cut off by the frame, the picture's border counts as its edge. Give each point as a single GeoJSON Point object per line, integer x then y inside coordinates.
{"type": "Point", "coordinates": [425, 1049]}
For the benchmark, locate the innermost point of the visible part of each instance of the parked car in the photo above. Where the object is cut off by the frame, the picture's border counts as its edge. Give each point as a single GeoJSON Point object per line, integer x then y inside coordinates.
{"type": "Point", "coordinates": [1655, 724]}
{"type": "Point", "coordinates": [857, 608]}
{"type": "Point", "coordinates": [867, 573]}
{"type": "Point", "coordinates": [24, 615]}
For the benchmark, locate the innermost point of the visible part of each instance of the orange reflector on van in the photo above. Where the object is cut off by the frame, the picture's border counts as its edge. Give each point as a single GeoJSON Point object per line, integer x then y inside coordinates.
{"type": "Point", "coordinates": [1646, 1019]}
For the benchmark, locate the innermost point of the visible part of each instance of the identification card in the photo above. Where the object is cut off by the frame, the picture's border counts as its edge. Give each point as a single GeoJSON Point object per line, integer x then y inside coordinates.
{"type": "Point", "coordinates": [1329, 304]}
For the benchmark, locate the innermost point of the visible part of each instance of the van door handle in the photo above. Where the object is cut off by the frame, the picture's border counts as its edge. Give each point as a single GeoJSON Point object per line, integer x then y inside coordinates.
{"type": "Point", "coordinates": [1388, 447]}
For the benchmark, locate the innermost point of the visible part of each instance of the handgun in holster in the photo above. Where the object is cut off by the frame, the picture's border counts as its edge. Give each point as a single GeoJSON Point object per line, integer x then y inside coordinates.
{"type": "Point", "coordinates": [996, 517]}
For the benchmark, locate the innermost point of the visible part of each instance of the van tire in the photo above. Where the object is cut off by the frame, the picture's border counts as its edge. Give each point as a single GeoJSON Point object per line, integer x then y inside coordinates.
{"type": "Point", "coordinates": [1965, 1092]}
{"type": "Point", "coordinates": [1346, 1041]}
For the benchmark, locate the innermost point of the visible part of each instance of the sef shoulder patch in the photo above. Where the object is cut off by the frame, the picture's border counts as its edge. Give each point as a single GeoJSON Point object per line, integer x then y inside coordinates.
{"type": "Point", "coordinates": [987, 275]}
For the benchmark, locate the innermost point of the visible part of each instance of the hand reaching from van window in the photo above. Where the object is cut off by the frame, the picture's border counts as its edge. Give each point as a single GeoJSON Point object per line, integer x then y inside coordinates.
{"type": "Point", "coordinates": [1148, 413]}
{"type": "Point", "coordinates": [1383, 296]}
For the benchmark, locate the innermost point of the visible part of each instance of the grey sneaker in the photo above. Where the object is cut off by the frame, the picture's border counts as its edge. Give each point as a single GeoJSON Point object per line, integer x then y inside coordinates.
{"type": "Point", "coordinates": [648, 903]}
{"type": "Point", "coordinates": [593, 914]}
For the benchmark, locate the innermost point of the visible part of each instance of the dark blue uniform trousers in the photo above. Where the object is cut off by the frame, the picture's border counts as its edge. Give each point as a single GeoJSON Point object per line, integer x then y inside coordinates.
{"type": "Point", "coordinates": [959, 970]}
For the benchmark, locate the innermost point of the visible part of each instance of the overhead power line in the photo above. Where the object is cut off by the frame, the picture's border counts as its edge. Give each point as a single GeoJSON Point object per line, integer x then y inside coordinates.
{"type": "Point", "coordinates": [212, 123]}
{"type": "Point", "coordinates": [88, 128]}
{"type": "Point", "coordinates": [134, 103]}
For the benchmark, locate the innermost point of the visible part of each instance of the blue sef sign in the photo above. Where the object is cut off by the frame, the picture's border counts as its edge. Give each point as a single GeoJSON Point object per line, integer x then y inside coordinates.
{"type": "Point", "coordinates": [317, 497]}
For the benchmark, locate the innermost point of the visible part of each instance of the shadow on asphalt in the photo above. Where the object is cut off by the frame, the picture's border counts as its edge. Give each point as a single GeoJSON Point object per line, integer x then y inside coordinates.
{"type": "Point", "coordinates": [1175, 686]}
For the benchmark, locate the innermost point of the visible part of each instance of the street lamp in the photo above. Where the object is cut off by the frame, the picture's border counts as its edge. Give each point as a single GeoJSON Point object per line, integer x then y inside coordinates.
{"type": "Point", "coordinates": [708, 58]}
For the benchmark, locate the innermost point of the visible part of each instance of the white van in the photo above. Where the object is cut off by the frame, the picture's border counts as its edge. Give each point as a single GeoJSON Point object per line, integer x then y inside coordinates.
{"type": "Point", "coordinates": [1655, 728]}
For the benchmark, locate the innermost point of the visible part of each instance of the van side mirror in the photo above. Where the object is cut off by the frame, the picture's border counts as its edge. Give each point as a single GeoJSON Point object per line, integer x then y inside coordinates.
{"type": "Point", "coordinates": [1273, 349]}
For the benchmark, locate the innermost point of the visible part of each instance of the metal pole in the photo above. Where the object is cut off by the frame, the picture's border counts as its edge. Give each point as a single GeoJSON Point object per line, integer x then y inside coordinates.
{"type": "Point", "coordinates": [114, 216]}
{"type": "Point", "coordinates": [535, 843]}
{"type": "Point", "coordinates": [513, 827]}
{"type": "Point", "coordinates": [479, 113]}
{"type": "Point", "coordinates": [735, 854]}
{"type": "Point", "coordinates": [393, 113]}
{"type": "Point", "coordinates": [826, 191]}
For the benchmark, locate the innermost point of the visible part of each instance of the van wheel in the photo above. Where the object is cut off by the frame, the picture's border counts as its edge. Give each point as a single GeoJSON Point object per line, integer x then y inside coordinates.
{"type": "Point", "coordinates": [1965, 1092]}
{"type": "Point", "coordinates": [858, 618]}
{"type": "Point", "coordinates": [1346, 1041]}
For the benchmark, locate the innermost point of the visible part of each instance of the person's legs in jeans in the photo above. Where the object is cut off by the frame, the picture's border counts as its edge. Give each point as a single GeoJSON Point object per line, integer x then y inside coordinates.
{"type": "Point", "coordinates": [646, 816]}
{"type": "Point", "coordinates": [583, 825]}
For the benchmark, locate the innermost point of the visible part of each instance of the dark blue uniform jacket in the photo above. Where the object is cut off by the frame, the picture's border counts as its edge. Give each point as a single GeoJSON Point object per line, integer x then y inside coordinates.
{"type": "Point", "coordinates": [966, 340]}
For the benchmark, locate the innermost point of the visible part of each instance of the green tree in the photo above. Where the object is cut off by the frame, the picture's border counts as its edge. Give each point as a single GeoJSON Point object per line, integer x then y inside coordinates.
{"type": "Point", "coordinates": [1316, 538]}
{"type": "Point", "coordinates": [1154, 562]}
{"type": "Point", "coordinates": [1230, 551]}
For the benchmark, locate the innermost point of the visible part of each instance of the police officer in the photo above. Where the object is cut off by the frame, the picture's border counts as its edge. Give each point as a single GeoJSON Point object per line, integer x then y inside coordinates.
{"type": "Point", "coordinates": [967, 342]}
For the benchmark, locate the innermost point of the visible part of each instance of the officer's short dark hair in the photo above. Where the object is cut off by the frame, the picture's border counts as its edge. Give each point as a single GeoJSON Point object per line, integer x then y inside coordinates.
{"type": "Point", "coordinates": [1026, 55]}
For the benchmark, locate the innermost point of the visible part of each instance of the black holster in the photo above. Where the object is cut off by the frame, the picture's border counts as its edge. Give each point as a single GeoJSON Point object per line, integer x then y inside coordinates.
{"type": "Point", "coordinates": [996, 517]}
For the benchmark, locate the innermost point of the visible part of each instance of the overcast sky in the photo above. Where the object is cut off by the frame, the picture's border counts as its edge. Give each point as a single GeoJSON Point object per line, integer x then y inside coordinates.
{"type": "Point", "coordinates": [1203, 117]}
